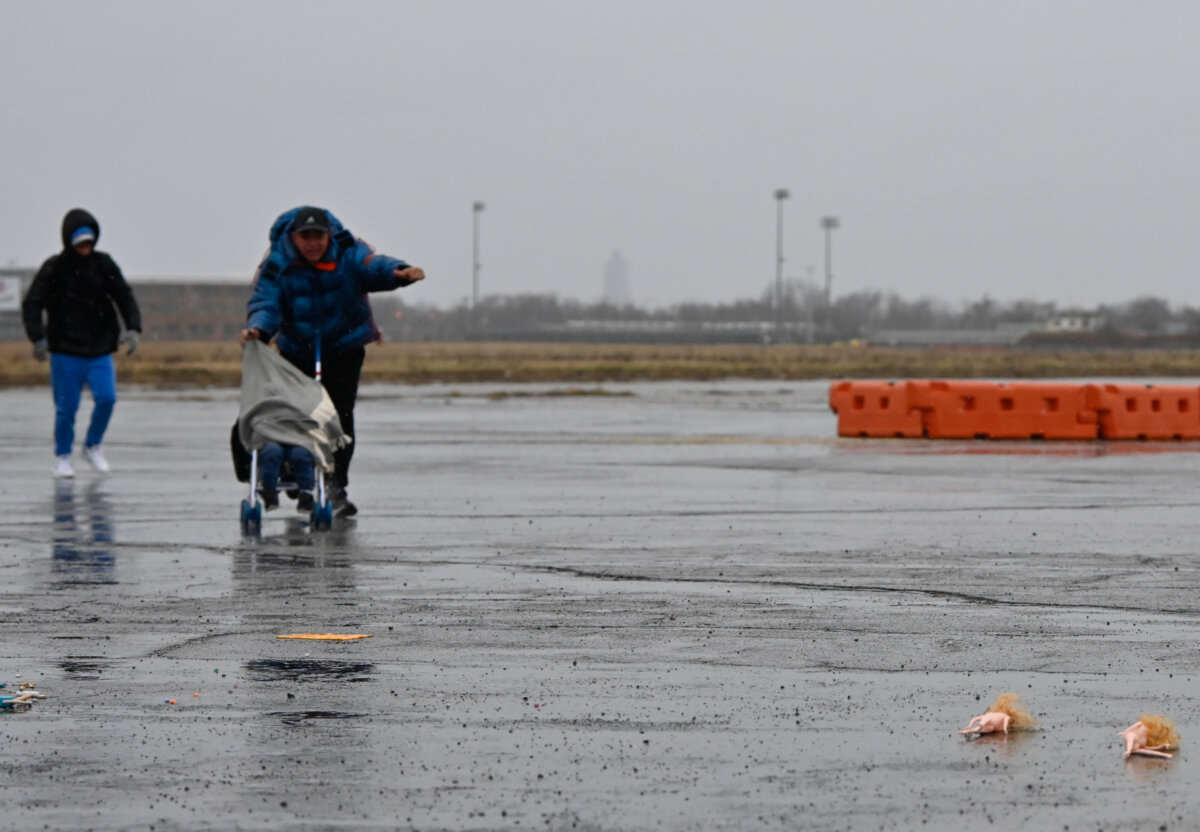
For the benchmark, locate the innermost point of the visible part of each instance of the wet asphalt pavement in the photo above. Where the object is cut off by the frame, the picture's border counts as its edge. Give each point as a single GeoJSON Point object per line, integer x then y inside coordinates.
{"type": "Point", "coordinates": [689, 607]}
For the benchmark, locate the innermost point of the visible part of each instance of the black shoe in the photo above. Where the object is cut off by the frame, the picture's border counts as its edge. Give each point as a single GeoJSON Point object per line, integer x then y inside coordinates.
{"type": "Point", "coordinates": [342, 507]}
{"type": "Point", "coordinates": [304, 502]}
{"type": "Point", "coordinates": [270, 498]}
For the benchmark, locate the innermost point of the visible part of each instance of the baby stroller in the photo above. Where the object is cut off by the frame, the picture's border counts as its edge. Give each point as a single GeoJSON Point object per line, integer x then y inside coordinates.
{"type": "Point", "coordinates": [246, 468]}
{"type": "Point", "coordinates": [281, 404]}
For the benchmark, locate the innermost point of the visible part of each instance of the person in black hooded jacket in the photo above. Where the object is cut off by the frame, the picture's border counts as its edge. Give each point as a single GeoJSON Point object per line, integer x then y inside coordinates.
{"type": "Point", "coordinates": [70, 317]}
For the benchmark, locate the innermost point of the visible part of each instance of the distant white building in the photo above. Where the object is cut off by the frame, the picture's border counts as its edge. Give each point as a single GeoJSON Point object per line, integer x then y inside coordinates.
{"type": "Point", "coordinates": [14, 282]}
{"type": "Point", "coordinates": [616, 281]}
{"type": "Point", "coordinates": [1074, 320]}
{"type": "Point", "coordinates": [1003, 335]}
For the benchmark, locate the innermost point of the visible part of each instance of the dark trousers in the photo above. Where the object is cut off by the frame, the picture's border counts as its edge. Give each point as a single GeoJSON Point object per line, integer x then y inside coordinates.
{"type": "Point", "coordinates": [271, 459]}
{"type": "Point", "coordinates": [339, 376]}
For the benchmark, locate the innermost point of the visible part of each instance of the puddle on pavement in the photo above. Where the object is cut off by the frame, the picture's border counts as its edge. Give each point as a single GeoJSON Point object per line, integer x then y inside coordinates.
{"type": "Point", "coordinates": [308, 670]}
{"type": "Point", "coordinates": [84, 667]}
{"type": "Point", "coordinates": [303, 717]}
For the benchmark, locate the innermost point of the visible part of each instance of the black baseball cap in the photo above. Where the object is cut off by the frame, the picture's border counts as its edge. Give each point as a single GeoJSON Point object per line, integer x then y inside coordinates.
{"type": "Point", "coordinates": [310, 219]}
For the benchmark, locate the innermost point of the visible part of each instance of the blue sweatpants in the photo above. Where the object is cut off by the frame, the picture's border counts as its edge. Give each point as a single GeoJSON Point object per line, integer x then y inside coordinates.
{"type": "Point", "coordinates": [68, 375]}
{"type": "Point", "coordinates": [270, 460]}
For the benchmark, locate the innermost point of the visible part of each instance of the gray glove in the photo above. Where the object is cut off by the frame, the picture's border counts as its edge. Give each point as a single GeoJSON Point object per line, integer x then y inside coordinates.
{"type": "Point", "coordinates": [131, 337]}
{"type": "Point", "coordinates": [40, 350]}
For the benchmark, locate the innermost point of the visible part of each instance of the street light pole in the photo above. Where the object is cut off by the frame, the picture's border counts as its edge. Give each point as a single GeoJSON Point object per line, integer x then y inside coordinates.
{"type": "Point", "coordinates": [780, 195]}
{"type": "Point", "coordinates": [476, 209]}
{"type": "Point", "coordinates": [808, 305]}
{"type": "Point", "coordinates": [829, 224]}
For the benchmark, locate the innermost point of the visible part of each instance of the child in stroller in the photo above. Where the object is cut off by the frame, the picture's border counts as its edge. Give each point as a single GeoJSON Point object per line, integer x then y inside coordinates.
{"type": "Point", "coordinates": [286, 468]}
{"type": "Point", "coordinates": [295, 465]}
{"type": "Point", "coordinates": [287, 432]}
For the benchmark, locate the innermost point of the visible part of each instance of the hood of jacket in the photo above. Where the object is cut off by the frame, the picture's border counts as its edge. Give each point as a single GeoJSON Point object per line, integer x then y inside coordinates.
{"type": "Point", "coordinates": [76, 219]}
{"type": "Point", "coordinates": [281, 239]}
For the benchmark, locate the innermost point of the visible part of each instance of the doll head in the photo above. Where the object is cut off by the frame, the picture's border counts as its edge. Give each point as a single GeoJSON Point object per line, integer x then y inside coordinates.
{"type": "Point", "coordinates": [1160, 731]}
{"type": "Point", "coordinates": [1009, 703]}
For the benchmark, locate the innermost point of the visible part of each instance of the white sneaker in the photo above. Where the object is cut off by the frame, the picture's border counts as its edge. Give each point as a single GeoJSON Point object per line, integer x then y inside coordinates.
{"type": "Point", "coordinates": [62, 467]}
{"type": "Point", "coordinates": [96, 457]}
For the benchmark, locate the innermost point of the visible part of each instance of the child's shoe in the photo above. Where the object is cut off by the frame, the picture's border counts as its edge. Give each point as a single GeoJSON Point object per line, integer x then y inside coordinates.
{"type": "Point", "coordinates": [270, 498]}
{"type": "Point", "coordinates": [304, 502]}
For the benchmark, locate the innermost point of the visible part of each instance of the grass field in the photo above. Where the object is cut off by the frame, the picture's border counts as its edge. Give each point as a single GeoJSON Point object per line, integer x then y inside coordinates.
{"type": "Point", "coordinates": [187, 364]}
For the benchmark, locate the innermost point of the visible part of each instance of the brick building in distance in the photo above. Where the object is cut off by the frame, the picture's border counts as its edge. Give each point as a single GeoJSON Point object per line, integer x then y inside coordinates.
{"type": "Point", "coordinates": [172, 310]}
{"type": "Point", "coordinates": [192, 310]}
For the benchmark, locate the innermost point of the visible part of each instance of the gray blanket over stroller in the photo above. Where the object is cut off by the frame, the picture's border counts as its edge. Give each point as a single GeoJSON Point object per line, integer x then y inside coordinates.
{"type": "Point", "coordinates": [281, 404]}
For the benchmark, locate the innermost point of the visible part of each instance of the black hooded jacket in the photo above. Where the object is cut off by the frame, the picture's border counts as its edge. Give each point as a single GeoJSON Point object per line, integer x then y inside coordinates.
{"type": "Point", "coordinates": [77, 295]}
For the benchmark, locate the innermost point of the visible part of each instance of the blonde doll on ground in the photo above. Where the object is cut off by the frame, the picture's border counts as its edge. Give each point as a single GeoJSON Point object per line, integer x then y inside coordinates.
{"type": "Point", "coordinates": [1151, 736]}
{"type": "Point", "coordinates": [1006, 714]}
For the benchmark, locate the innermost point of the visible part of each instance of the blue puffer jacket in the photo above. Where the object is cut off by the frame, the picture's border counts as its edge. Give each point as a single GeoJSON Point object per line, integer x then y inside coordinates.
{"type": "Point", "coordinates": [302, 304]}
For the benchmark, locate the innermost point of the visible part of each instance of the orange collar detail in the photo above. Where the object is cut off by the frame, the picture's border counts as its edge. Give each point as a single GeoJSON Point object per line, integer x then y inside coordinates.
{"type": "Point", "coordinates": [324, 266]}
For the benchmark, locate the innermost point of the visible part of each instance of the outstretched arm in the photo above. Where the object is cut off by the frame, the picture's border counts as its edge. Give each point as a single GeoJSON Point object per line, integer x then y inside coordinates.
{"type": "Point", "coordinates": [410, 275]}
{"type": "Point", "coordinates": [1150, 752]}
{"type": "Point", "coordinates": [380, 273]}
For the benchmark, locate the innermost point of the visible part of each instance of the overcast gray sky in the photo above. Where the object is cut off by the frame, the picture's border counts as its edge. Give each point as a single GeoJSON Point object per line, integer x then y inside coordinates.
{"type": "Point", "coordinates": [1026, 149]}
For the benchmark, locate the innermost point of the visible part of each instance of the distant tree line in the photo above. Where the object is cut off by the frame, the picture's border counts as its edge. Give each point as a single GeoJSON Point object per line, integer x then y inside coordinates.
{"type": "Point", "coordinates": [802, 312]}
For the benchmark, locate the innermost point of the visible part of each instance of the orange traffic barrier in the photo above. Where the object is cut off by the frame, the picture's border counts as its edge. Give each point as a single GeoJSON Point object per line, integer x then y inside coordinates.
{"type": "Point", "coordinates": [993, 410]}
{"type": "Point", "coordinates": [874, 408]}
{"type": "Point", "coordinates": [1146, 411]}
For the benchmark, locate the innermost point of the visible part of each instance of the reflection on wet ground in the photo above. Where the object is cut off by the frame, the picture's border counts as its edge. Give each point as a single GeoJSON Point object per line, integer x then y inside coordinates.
{"type": "Point", "coordinates": [1003, 744]}
{"type": "Point", "coordinates": [249, 562]}
{"type": "Point", "coordinates": [82, 535]}
{"type": "Point", "coordinates": [290, 531]}
{"type": "Point", "coordinates": [1150, 769]}
{"type": "Point", "coordinates": [292, 545]}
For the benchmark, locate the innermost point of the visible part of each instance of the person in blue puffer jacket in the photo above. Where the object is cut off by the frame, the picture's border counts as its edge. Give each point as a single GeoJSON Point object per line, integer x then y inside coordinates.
{"type": "Point", "coordinates": [310, 298]}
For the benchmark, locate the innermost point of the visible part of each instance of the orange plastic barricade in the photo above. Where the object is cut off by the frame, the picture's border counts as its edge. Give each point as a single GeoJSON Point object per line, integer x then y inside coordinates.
{"type": "Point", "coordinates": [994, 410]}
{"type": "Point", "coordinates": [874, 408]}
{"type": "Point", "coordinates": [1146, 411]}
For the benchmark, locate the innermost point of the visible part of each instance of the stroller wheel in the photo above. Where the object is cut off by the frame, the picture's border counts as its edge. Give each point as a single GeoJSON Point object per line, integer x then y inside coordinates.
{"type": "Point", "coordinates": [322, 516]}
{"type": "Point", "coordinates": [251, 517]}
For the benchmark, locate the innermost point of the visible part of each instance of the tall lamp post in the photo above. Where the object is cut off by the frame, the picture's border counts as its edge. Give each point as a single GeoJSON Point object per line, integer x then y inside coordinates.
{"type": "Point", "coordinates": [828, 224]}
{"type": "Point", "coordinates": [476, 210]}
{"type": "Point", "coordinates": [780, 195]}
